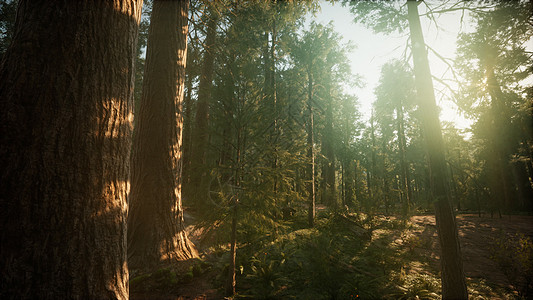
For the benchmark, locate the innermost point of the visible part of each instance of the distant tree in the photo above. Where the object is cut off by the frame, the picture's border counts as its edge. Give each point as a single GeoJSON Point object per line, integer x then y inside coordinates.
{"type": "Point", "coordinates": [197, 189]}
{"type": "Point", "coordinates": [494, 62]}
{"type": "Point", "coordinates": [141, 53]}
{"type": "Point", "coordinates": [395, 92]}
{"type": "Point", "coordinates": [156, 229]}
{"type": "Point", "coordinates": [66, 87]}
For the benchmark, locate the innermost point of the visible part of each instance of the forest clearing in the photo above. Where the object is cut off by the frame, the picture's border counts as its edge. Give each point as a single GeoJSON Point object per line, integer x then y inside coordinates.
{"type": "Point", "coordinates": [194, 149]}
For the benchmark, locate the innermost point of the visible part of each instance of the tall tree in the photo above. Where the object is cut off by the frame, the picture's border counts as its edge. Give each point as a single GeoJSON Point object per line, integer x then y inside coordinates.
{"type": "Point", "coordinates": [66, 109]}
{"type": "Point", "coordinates": [389, 17]}
{"type": "Point", "coordinates": [155, 226]}
{"type": "Point", "coordinates": [197, 189]}
{"type": "Point", "coordinates": [494, 61]}
{"type": "Point", "coordinates": [452, 274]}
{"type": "Point", "coordinates": [395, 92]}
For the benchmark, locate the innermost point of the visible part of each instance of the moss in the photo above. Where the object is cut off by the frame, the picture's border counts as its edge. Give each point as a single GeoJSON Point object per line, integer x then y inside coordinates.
{"type": "Point", "coordinates": [140, 283]}
{"type": "Point", "coordinates": [160, 280]}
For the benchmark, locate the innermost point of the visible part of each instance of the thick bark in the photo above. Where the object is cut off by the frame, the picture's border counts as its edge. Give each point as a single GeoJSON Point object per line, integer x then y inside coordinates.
{"type": "Point", "coordinates": [66, 87]}
{"type": "Point", "coordinates": [200, 138]}
{"type": "Point", "coordinates": [452, 274]}
{"type": "Point", "coordinates": [155, 225]}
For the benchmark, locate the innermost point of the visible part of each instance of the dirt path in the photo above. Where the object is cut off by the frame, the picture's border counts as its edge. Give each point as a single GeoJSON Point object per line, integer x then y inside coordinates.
{"type": "Point", "coordinates": [477, 237]}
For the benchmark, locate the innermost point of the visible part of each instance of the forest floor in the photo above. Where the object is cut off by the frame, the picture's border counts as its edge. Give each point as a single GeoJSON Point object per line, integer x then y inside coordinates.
{"type": "Point", "coordinates": [480, 237]}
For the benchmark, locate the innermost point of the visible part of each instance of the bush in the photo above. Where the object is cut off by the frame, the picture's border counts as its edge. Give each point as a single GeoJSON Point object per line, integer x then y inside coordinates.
{"type": "Point", "coordinates": [514, 255]}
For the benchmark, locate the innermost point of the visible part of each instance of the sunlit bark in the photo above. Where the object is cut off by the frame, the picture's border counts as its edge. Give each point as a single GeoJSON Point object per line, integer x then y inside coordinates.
{"type": "Point", "coordinates": [155, 225]}
{"type": "Point", "coordinates": [66, 90]}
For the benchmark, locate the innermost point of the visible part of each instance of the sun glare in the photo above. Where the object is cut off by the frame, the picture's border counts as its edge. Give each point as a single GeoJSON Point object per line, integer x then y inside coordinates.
{"type": "Point", "coordinates": [373, 50]}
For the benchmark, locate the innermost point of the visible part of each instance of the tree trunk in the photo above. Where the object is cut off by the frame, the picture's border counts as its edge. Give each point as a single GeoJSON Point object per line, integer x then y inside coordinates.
{"type": "Point", "coordinates": [66, 88]}
{"type": "Point", "coordinates": [231, 283]}
{"type": "Point", "coordinates": [405, 183]}
{"type": "Point", "coordinates": [501, 183]}
{"type": "Point", "coordinates": [371, 180]}
{"type": "Point", "coordinates": [331, 198]}
{"type": "Point", "coordinates": [155, 225]}
{"type": "Point", "coordinates": [452, 275]}
{"type": "Point", "coordinates": [310, 153]}
{"type": "Point", "coordinates": [200, 139]}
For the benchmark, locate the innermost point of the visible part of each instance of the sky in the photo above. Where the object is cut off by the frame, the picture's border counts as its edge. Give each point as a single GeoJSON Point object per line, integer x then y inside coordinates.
{"type": "Point", "coordinates": [373, 50]}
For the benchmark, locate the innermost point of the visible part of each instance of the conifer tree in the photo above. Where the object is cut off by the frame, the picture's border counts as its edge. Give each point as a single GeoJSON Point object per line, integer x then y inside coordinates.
{"type": "Point", "coordinates": [66, 109]}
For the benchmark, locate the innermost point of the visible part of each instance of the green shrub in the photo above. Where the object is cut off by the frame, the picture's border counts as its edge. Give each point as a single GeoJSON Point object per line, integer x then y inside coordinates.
{"type": "Point", "coordinates": [514, 255]}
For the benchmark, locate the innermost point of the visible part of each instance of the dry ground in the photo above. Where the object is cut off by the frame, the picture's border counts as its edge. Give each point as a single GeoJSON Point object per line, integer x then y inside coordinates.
{"type": "Point", "coordinates": [477, 236]}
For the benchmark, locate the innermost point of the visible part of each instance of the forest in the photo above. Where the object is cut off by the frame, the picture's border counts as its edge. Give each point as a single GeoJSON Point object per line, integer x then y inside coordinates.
{"type": "Point", "coordinates": [176, 149]}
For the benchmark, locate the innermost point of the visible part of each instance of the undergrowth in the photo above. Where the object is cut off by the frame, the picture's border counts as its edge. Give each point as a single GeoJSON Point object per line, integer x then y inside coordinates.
{"type": "Point", "coordinates": [345, 256]}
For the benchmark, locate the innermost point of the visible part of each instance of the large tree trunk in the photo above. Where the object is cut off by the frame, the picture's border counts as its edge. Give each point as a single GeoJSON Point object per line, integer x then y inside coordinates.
{"type": "Point", "coordinates": [200, 139]}
{"type": "Point", "coordinates": [66, 86]}
{"type": "Point", "coordinates": [452, 275]}
{"type": "Point", "coordinates": [155, 225]}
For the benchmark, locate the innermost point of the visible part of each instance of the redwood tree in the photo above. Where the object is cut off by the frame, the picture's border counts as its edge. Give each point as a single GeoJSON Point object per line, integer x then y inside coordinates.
{"type": "Point", "coordinates": [66, 87]}
{"type": "Point", "coordinates": [155, 225]}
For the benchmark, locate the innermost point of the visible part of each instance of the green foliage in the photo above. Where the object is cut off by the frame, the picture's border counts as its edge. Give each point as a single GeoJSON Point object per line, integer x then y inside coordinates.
{"type": "Point", "coordinates": [332, 261]}
{"type": "Point", "coordinates": [493, 62]}
{"type": "Point", "coordinates": [514, 255]}
{"type": "Point", "coordinates": [168, 279]}
{"type": "Point", "coordinates": [381, 16]}
{"type": "Point", "coordinates": [161, 280]}
{"type": "Point", "coordinates": [417, 287]}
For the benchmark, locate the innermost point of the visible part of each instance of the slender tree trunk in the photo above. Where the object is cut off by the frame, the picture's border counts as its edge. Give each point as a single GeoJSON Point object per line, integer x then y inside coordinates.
{"type": "Point", "coordinates": [66, 97]}
{"type": "Point", "coordinates": [155, 226]}
{"type": "Point", "coordinates": [404, 170]}
{"type": "Point", "coordinates": [452, 274]}
{"type": "Point", "coordinates": [310, 153]}
{"type": "Point", "coordinates": [331, 198]}
{"type": "Point", "coordinates": [230, 288]}
{"type": "Point", "coordinates": [200, 138]}
{"type": "Point", "coordinates": [355, 194]}
{"type": "Point", "coordinates": [274, 96]}
{"type": "Point", "coordinates": [371, 181]}
{"type": "Point", "coordinates": [343, 182]}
